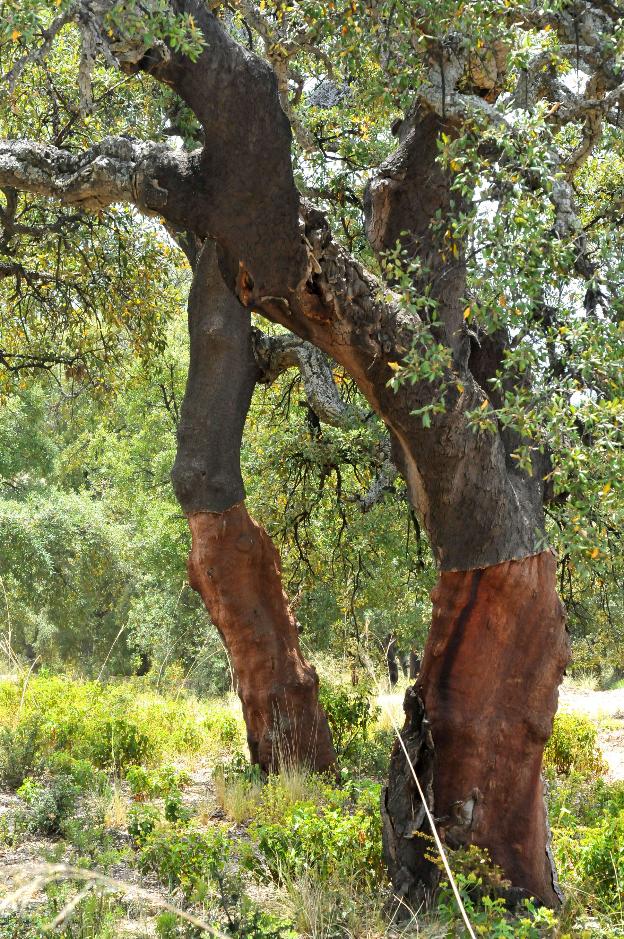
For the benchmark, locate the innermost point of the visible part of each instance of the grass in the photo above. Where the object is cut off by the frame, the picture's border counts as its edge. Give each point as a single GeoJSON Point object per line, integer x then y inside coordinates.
{"type": "Point", "coordinates": [299, 850]}
{"type": "Point", "coordinates": [116, 814]}
{"type": "Point", "coordinates": [237, 797]}
{"type": "Point", "coordinates": [580, 681]}
{"type": "Point", "coordinates": [322, 911]}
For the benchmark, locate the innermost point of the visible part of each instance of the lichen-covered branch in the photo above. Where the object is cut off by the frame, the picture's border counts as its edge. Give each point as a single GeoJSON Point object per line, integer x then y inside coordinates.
{"type": "Point", "coordinates": [275, 354]}
{"type": "Point", "coordinates": [118, 169]}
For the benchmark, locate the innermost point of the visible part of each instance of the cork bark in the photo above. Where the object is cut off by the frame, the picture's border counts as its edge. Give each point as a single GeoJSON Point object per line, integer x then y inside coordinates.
{"type": "Point", "coordinates": [488, 687]}
{"type": "Point", "coordinates": [236, 569]}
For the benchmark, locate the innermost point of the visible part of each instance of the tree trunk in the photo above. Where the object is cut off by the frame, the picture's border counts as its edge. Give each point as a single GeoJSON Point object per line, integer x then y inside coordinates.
{"type": "Point", "coordinates": [492, 664]}
{"type": "Point", "coordinates": [233, 563]}
{"type": "Point", "coordinates": [236, 569]}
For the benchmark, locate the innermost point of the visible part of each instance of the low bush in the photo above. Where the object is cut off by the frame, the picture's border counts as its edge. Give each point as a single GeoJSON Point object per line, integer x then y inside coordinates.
{"type": "Point", "coordinates": [20, 751]}
{"type": "Point", "coordinates": [189, 860]}
{"type": "Point", "coordinates": [156, 784]}
{"type": "Point", "coordinates": [223, 728]}
{"type": "Point", "coordinates": [96, 916]}
{"type": "Point", "coordinates": [484, 891]}
{"type": "Point", "coordinates": [350, 715]}
{"type": "Point", "coordinates": [238, 787]}
{"type": "Point", "coordinates": [573, 746]}
{"type": "Point", "coordinates": [200, 864]}
{"type": "Point", "coordinates": [112, 726]}
{"type": "Point", "coordinates": [52, 799]}
{"type": "Point", "coordinates": [164, 783]}
{"type": "Point", "coordinates": [116, 742]}
{"type": "Point", "coordinates": [49, 806]}
{"type": "Point", "coordinates": [601, 861]}
{"type": "Point", "coordinates": [370, 756]}
{"type": "Point", "coordinates": [82, 773]}
{"type": "Point", "coordinates": [587, 819]}
{"type": "Point", "coordinates": [142, 822]}
{"type": "Point", "coordinates": [331, 840]}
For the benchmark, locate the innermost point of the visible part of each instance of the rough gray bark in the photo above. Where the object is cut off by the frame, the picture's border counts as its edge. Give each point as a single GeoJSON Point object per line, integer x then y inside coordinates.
{"type": "Point", "coordinates": [275, 354]}
{"type": "Point", "coordinates": [155, 178]}
{"type": "Point", "coordinates": [405, 830]}
{"type": "Point", "coordinates": [222, 375]}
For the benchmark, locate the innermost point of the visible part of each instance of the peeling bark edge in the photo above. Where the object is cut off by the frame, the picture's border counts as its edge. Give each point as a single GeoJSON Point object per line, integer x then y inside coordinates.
{"type": "Point", "coordinates": [406, 835]}
{"type": "Point", "coordinates": [556, 885]}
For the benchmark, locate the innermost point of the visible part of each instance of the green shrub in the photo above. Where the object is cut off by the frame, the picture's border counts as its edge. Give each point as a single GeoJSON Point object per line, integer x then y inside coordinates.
{"type": "Point", "coordinates": [175, 810]}
{"type": "Point", "coordinates": [573, 746]}
{"type": "Point", "coordinates": [82, 773]}
{"type": "Point", "coordinates": [187, 860]}
{"type": "Point", "coordinates": [587, 819]}
{"type": "Point", "coordinates": [576, 801]}
{"type": "Point", "coordinates": [114, 726]}
{"type": "Point", "coordinates": [20, 751]}
{"type": "Point", "coordinates": [49, 806]}
{"type": "Point", "coordinates": [222, 726]}
{"type": "Point", "coordinates": [601, 861]}
{"type": "Point", "coordinates": [142, 822]}
{"type": "Point", "coordinates": [164, 783]}
{"type": "Point", "coordinates": [53, 798]}
{"type": "Point", "coordinates": [370, 756]}
{"type": "Point", "coordinates": [349, 714]}
{"type": "Point", "coordinates": [96, 916]}
{"type": "Point", "coordinates": [237, 768]}
{"type": "Point", "coordinates": [331, 840]}
{"type": "Point", "coordinates": [482, 887]}
{"type": "Point", "coordinates": [118, 742]}
{"type": "Point", "coordinates": [155, 784]}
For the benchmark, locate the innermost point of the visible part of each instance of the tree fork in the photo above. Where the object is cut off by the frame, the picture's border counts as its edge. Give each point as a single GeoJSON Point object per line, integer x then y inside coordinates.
{"type": "Point", "coordinates": [233, 563]}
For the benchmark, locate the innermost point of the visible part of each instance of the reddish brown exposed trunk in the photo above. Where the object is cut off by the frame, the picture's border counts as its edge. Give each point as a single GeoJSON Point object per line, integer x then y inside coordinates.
{"type": "Point", "coordinates": [492, 665]}
{"type": "Point", "coordinates": [236, 568]}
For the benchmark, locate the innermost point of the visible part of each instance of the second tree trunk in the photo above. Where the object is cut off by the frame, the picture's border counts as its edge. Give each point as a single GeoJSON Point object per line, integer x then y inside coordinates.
{"type": "Point", "coordinates": [491, 669]}
{"type": "Point", "coordinates": [236, 569]}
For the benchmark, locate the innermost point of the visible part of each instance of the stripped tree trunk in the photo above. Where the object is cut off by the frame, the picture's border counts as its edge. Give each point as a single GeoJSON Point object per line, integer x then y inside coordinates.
{"type": "Point", "coordinates": [498, 647]}
{"type": "Point", "coordinates": [494, 658]}
{"type": "Point", "coordinates": [233, 563]}
{"type": "Point", "coordinates": [236, 568]}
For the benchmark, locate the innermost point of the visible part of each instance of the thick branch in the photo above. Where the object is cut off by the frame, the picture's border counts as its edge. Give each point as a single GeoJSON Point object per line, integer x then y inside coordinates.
{"type": "Point", "coordinates": [153, 177]}
{"type": "Point", "coordinates": [245, 196]}
{"type": "Point", "coordinates": [221, 379]}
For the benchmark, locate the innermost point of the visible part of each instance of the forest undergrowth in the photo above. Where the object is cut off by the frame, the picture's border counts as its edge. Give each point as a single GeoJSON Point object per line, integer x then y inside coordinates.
{"type": "Point", "coordinates": [132, 811]}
